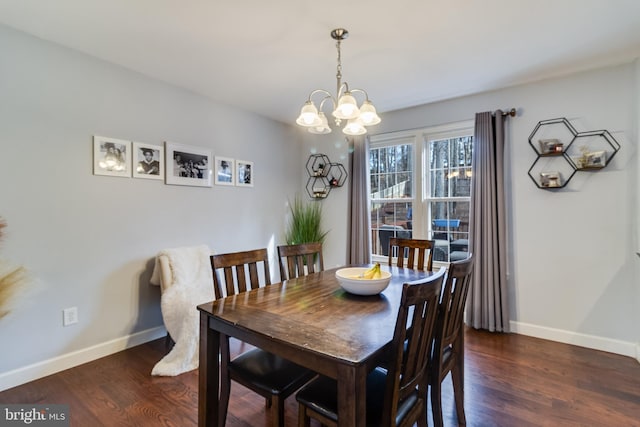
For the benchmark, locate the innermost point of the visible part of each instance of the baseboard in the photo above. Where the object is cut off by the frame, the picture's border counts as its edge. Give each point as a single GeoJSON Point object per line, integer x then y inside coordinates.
{"type": "Point", "coordinates": [623, 348]}
{"type": "Point", "coordinates": [47, 367]}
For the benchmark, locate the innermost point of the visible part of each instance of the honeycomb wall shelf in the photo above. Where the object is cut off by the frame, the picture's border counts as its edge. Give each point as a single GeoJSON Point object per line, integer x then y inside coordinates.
{"type": "Point", "coordinates": [561, 151]}
{"type": "Point", "coordinates": [323, 176]}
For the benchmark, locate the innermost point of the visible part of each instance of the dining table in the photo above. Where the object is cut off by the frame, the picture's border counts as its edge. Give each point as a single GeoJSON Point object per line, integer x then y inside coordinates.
{"type": "Point", "coordinates": [311, 321]}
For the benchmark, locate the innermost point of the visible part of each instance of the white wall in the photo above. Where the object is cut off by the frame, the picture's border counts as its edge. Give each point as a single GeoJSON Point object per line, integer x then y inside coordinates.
{"type": "Point", "coordinates": [89, 241]}
{"type": "Point", "coordinates": [573, 271]}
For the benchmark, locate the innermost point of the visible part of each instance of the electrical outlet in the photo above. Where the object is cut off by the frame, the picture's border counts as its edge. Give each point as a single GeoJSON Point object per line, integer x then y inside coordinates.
{"type": "Point", "coordinates": [69, 316]}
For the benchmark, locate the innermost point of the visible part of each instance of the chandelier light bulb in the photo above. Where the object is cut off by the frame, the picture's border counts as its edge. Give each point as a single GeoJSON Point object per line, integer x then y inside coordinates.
{"type": "Point", "coordinates": [354, 127]}
{"type": "Point", "coordinates": [347, 107]}
{"type": "Point", "coordinates": [323, 127]}
{"type": "Point", "coordinates": [308, 115]}
{"type": "Point", "coordinates": [368, 114]}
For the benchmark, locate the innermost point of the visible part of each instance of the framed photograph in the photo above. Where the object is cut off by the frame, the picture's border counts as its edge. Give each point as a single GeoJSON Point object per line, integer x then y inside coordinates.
{"type": "Point", "coordinates": [189, 165]}
{"type": "Point", "coordinates": [551, 146]}
{"type": "Point", "coordinates": [111, 156]}
{"type": "Point", "coordinates": [596, 159]}
{"type": "Point", "coordinates": [550, 179]}
{"type": "Point", "coordinates": [244, 173]}
{"type": "Point", "coordinates": [148, 161]}
{"type": "Point", "coordinates": [224, 171]}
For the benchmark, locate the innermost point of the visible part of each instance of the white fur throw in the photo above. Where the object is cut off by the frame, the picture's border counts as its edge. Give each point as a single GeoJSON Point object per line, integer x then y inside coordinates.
{"type": "Point", "coordinates": [192, 285]}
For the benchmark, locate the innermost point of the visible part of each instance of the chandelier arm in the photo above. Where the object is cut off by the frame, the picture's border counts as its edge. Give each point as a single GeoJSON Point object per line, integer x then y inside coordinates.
{"type": "Point", "coordinates": [329, 97]}
{"type": "Point", "coordinates": [366, 95]}
{"type": "Point", "coordinates": [327, 93]}
{"type": "Point", "coordinates": [342, 89]}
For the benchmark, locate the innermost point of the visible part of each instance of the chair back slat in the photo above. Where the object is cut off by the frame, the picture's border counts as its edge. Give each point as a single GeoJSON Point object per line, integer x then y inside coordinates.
{"type": "Point", "coordinates": [454, 298]}
{"type": "Point", "coordinates": [294, 258]}
{"type": "Point", "coordinates": [234, 268]}
{"type": "Point", "coordinates": [414, 250]}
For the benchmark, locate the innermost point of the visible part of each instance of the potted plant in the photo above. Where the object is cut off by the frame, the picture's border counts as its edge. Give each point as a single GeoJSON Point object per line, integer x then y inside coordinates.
{"type": "Point", "coordinates": [305, 223]}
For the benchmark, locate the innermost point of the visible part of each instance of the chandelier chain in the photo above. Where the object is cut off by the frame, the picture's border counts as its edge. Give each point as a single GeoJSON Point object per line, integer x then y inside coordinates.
{"type": "Point", "coordinates": [339, 68]}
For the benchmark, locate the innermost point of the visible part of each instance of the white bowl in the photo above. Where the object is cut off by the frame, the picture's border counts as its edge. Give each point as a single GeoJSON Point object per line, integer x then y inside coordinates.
{"type": "Point", "coordinates": [347, 277]}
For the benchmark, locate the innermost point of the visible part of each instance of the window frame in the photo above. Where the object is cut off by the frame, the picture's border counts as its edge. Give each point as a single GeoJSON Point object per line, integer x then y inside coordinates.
{"type": "Point", "coordinates": [420, 138]}
{"type": "Point", "coordinates": [389, 140]}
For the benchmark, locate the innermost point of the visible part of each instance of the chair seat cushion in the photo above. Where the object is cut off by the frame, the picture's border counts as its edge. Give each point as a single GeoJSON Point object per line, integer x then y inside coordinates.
{"type": "Point", "coordinates": [268, 372]}
{"type": "Point", "coordinates": [321, 396]}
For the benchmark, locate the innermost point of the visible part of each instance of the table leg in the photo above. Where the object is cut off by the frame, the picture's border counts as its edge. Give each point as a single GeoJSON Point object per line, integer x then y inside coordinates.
{"type": "Point", "coordinates": [208, 374]}
{"type": "Point", "coordinates": [352, 399]}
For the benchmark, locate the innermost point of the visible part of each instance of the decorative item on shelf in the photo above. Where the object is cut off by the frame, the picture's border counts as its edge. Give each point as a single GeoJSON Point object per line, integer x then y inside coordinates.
{"type": "Point", "coordinates": [551, 146]}
{"type": "Point", "coordinates": [320, 193]}
{"type": "Point", "coordinates": [550, 179]}
{"type": "Point", "coordinates": [344, 104]}
{"type": "Point", "coordinates": [591, 160]}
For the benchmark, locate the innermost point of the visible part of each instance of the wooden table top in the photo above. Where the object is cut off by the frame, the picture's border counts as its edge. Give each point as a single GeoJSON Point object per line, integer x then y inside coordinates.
{"type": "Point", "coordinates": [314, 314]}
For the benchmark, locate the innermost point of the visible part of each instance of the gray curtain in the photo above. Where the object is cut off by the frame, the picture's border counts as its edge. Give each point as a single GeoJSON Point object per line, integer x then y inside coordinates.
{"type": "Point", "coordinates": [487, 305]}
{"type": "Point", "coordinates": [359, 234]}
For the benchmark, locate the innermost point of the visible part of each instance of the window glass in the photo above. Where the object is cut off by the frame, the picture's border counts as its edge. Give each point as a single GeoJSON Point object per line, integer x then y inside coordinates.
{"type": "Point", "coordinates": [392, 188]}
{"type": "Point", "coordinates": [449, 195]}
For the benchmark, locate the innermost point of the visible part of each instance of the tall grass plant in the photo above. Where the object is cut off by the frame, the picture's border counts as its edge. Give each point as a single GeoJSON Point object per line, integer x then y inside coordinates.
{"type": "Point", "coordinates": [305, 224]}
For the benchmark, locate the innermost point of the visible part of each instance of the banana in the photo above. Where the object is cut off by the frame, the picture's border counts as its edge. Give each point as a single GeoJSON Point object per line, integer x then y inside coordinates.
{"type": "Point", "coordinates": [377, 274]}
{"type": "Point", "coordinates": [373, 272]}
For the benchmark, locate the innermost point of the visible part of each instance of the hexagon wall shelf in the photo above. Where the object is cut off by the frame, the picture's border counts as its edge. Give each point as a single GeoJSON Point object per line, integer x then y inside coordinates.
{"type": "Point", "coordinates": [323, 176]}
{"type": "Point", "coordinates": [561, 151]}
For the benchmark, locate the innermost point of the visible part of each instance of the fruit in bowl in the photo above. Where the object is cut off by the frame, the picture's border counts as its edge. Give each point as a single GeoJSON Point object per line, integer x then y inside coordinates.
{"type": "Point", "coordinates": [363, 280]}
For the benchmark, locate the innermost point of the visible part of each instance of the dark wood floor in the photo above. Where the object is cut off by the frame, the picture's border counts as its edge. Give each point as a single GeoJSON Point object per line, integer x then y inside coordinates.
{"type": "Point", "coordinates": [511, 380]}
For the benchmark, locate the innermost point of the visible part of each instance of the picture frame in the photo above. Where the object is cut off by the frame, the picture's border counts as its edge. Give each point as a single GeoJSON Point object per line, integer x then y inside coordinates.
{"type": "Point", "coordinates": [224, 171]}
{"type": "Point", "coordinates": [595, 160]}
{"type": "Point", "coordinates": [551, 146]}
{"type": "Point", "coordinates": [148, 161]}
{"type": "Point", "coordinates": [550, 179]}
{"type": "Point", "coordinates": [244, 173]}
{"type": "Point", "coordinates": [111, 156]}
{"type": "Point", "coordinates": [190, 165]}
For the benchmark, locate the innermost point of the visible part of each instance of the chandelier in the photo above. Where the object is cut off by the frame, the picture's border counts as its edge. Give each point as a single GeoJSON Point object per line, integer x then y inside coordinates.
{"type": "Point", "coordinates": [344, 104]}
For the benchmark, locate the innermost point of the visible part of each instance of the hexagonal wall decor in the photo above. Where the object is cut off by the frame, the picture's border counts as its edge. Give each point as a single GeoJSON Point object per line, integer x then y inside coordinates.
{"type": "Point", "coordinates": [323, 176]}
{"type": "Point", "coordinates": [561, 151]}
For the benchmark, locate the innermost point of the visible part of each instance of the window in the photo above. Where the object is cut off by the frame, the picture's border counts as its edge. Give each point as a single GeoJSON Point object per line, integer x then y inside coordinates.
{"type": "Point", "coordinates": [421, 188]}
{"type": "Point", "coordinates": [448, 178]}
{"type": "Point", "coordinates": [391, 170]}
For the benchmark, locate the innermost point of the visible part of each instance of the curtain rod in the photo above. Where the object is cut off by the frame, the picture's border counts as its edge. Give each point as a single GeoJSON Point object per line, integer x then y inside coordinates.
{"type": "Point", "coordinates": [511, 112]}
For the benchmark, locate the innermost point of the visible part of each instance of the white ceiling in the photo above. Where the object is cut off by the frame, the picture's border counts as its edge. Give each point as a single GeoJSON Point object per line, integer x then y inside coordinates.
{"type": "Point", "coordinates": [267, 55]}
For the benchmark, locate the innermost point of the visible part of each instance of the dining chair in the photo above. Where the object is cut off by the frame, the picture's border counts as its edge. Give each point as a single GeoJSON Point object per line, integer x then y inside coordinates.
{"type": "Point", "coordinates": [294, 258]}
{"type": "Point", "coordinates": [448, 347]}
{"type": "Point", "coordinates": [412, 250]}
{"type": "Point", "coordinates": [394, 396]}
{"type": "Point", "coordinates": [265, 373]}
